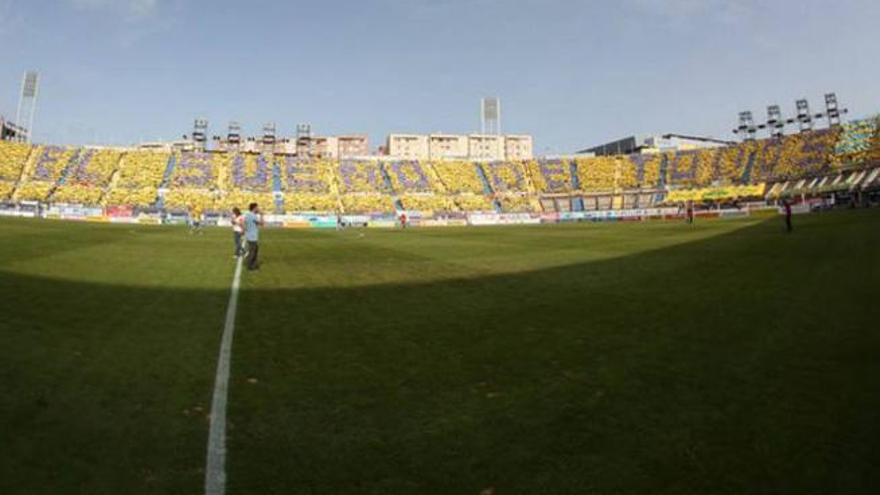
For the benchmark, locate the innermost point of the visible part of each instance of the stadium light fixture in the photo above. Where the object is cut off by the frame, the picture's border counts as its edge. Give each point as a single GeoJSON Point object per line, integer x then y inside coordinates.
{"type": "Point", "coordinates": [774, 121]}
{"type": "Point", "coordinates": [804, 117]}
{"type": "Point", "coordinates": [27, 102]}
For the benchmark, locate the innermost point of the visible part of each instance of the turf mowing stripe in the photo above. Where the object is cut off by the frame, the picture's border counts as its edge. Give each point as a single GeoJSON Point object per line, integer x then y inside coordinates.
{"type": "Point", "coordinates": [215, 468]}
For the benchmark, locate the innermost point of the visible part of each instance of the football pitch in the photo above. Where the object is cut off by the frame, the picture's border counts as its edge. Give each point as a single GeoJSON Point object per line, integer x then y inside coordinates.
{"type": "Point", "coordinates": [724, 357]}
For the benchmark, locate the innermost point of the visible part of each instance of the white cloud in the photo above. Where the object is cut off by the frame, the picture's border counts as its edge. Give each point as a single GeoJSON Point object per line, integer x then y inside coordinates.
{"type": "Point", "coordinates": [129, 9]}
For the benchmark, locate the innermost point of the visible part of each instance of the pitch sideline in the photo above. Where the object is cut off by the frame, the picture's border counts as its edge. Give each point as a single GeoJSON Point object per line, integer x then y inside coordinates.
{"type": "Point", "coordinates": [215, 465]}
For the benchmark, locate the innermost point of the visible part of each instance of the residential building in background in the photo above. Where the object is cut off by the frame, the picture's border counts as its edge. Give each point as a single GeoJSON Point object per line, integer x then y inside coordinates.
{"type": "Point", "coordinates": [481, 147]}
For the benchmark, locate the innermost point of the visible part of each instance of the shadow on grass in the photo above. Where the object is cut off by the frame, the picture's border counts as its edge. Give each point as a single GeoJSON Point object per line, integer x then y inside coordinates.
{"type": "Point", "coordinates": [721, 366]}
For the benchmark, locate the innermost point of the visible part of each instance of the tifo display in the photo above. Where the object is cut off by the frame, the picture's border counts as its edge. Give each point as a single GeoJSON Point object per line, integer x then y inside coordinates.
{"type": "Point", "coordinates": [180, 183]}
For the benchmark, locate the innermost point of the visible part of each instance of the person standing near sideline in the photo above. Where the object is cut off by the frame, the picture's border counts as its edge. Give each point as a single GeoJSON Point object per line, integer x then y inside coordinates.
{"type": "Point", "coordinates": [787, 207]}
{"type": "Point", "coordinates": [195, 225]}
{"type": "Point", "coordinates": [253, 220]}
{"type": "Point", "coordinates": [238, 231]}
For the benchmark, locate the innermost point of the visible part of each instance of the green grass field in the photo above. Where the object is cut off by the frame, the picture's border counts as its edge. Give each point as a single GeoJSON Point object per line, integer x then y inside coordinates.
{"type": "Point", "coordinates": [727, 357]}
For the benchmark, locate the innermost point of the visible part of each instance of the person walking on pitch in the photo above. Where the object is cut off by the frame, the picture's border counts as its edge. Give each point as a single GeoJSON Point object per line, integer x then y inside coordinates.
{"type": "Point", "coordinates": [253, 220]}
{"type": "Point", "coordinates": [787, 210]}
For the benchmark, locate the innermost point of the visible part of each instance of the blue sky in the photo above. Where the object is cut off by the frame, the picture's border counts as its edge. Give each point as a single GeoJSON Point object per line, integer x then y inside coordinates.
{"type": "Point", "coordinates": [572, 73]}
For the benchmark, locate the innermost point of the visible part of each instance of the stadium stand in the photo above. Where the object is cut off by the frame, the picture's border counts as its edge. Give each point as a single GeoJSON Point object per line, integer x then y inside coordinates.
{"type": "Point", "coordinates": [47, 169]}
{"type": "Point", "coordinates": [308, 186]}
{"type": "Point", "coordinates": [361, 177]}
{"type": "Point", "coordinates": [216, 181]}
{"type": "Point", "coordinates": [795, 155]}
{"type": "Point", "coordinates": [195, 181]}
{"type": "Point", "coordinates": [472, 202]}
{"type": "Point", "coordinates": [551, 176]}
{"type": "Point", "coordinates": [246, 178]}
{"type": "Point", "coordinates": [646, 168]}
{"type": "Point", "coordinates": [88, 177]}
{"type": "Point", "coordinates": [367, 203]}
{"type": "Point", "coordinates": [225, 200]}
{"type": "Point", "coordinates": [458, 177]}
{"type": "Point", "coordinates": [601, 173]}
{"type": "Point", "coordinates": [730, 160]}
{"type": "Point", "coordinates": [13, 157]}
{"type": "Point", "coordinates": [506, 176]}
{"type": "Point", "coordinates": [302, 202]}
{"type": "Point", "coordinates": [249, 172]}
{"type": "Point", "coordinates": [307, 177]}
{"type": "Point", "coordinates": [138, 179]}
{"type": "Point", "coordinates": [410, 177]}
{"type": "Point", "coordinates": [515, 202]}
{"type": "Point", "coordinates": [428, 202]}
{"type": "Point", "coordinates": [858, 143]}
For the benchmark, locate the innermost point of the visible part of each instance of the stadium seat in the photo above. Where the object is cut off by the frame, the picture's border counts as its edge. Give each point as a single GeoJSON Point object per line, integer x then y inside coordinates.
{"type": "Point", "coordinates": [472, 202]}
{"type": "Point", "coordinates": [427, 202]}
{"type": "Point", "coordinates": [49, 166]}
{"type": "Point", "coordinates": [88, 178]}
{"type": "Point", "coordinates": [458, 177]}
{"type": "Point", "coordinates": [140, 174]}
{"type": "Point", "coordinates": [515, 203]}
{"type": "Point", "coordinates": [13, 158]}
{"type": "Point", "coordinates": [226, 200]}
{"type": "Point", "coordinates": [309, 202]}
{"type": "Point", "coordinates": [409, 177]}
{"type": "Point", "coordinates": [195, 181]}
{"type": "Point", "coordinates": [550, 176]}
{"type": "Point", "coordinates": [361, 177]}
{"type": "Point", "coordinates": [367, 203]}
{"type": "Point", "coordinates": [604, 173]}
{"type": "Point", "coordinates": [506, 176]}
{"type": "Point", "coordinates": [856, 142]}
{"type": "Point", "coordinates": [305, 177]}
{"type": "Point", "coordinates": [248, 172]}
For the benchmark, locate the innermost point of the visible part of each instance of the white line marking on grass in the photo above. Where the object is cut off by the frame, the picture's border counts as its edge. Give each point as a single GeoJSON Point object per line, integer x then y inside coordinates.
{"type": "Point", "coordinates": [215, 467]}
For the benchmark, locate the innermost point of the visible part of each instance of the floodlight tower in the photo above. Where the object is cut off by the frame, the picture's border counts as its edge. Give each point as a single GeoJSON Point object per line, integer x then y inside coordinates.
{"type": "Point", "coordinates": [804, 117]}
{"type": "Point", "coordinates": [775, 122]}
{"type": "Point", "coordinates": [832, 110]}
{"type": "Point", "coordinates": [746, 126]}
{"type": "Point", "coordinates": [200, 134]}
{"type": "Point", "coordinates": [269, 137]}
{"type": "Point", "coordinates": [490, 115]}
{"type": "Point", "coordinates": [233, 135]}
{"type": "Point", "coordinates": [27, 102]}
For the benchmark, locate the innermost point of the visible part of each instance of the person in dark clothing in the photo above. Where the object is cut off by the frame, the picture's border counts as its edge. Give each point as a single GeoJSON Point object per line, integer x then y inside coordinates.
{"type": "Point", "coordinates": [787, 206]}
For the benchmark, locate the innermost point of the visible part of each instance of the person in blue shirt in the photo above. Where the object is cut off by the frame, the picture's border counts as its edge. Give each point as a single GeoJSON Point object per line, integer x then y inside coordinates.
{"type": "Point", "coordinates": [253, 220]}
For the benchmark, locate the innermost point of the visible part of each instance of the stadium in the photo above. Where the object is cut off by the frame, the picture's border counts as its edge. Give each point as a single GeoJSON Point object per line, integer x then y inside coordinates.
{"type": "Point", "coordinates": [136, 186]}
{"type": "Point", "coordinates": [451, 313]}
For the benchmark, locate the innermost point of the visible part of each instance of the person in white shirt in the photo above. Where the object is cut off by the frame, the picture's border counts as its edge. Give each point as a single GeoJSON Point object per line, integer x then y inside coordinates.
{"type": "Point", "coordinates": [238, 231]}
{"type": "Point", "coordinates": [253, 220]}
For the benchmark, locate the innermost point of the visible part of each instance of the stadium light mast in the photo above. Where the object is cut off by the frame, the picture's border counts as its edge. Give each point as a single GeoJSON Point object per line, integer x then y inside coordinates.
{"type": "Point", "coordinates": [804, 117]}
{"type": "Point", "coordinates": [832, 110]}
{"type": "Point", "coordinates": [269, 137]}
{"type": "Point", "coordinates": [200, 134]}
{"type": "Point", "coordinates": [27, 102]}
{"type": "Point", "coordinates": [775, 122]}
{"type": "Point", "coordinates": [490, 115]}
{"type": "Point", "coordinates": [233, 135]}
{"type": "Point", "coordinates": [746, 126]}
